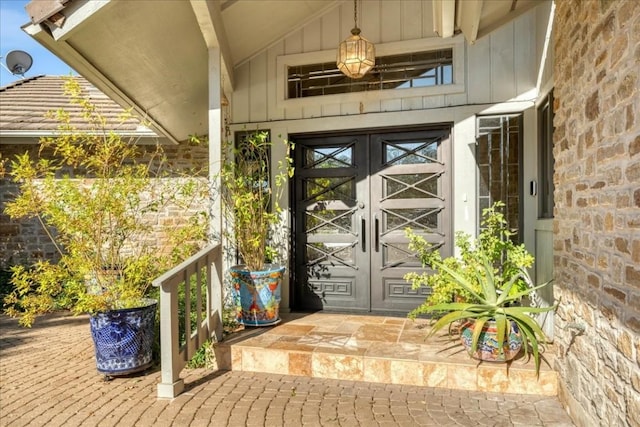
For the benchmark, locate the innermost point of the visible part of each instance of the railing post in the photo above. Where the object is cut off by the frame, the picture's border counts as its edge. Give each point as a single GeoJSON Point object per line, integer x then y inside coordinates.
{"type": "Point", "coordinates": [216, 294]}
{"type": "Point", "coordinates": [171, 384]}
{"type": "Point", "coordinates": [173, 352]}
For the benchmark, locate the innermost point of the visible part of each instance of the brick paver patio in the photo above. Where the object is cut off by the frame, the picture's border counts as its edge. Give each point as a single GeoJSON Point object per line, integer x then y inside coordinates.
{"type": "Point", "coordinates": [48, 377]}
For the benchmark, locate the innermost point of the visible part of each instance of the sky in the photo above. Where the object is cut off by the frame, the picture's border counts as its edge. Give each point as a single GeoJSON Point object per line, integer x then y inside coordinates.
{"type": "Point", "coordinates": [12, 17]}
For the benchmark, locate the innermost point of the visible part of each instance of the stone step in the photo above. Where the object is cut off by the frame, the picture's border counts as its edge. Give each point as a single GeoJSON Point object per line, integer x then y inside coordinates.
{"type": "Point", "coordinates": [377, 349]}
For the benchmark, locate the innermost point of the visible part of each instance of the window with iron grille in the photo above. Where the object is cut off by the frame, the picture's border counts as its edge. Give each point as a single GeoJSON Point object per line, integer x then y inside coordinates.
{"type": "Point", "coordinates": [498, 157]}
{"type": "Point", "coordinates": [402, 71]}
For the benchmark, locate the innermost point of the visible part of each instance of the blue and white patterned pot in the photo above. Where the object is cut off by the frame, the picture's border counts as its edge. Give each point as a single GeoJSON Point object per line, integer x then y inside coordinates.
{"type": "Point", "coordinates": [257, 294]}
{"type": "Point", "coordinates": [123, 339]}
{"type": "Point", "coordinates": [488, 349]}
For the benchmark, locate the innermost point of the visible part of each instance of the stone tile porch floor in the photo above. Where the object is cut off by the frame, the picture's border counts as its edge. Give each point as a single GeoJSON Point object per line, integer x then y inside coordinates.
{"type": "Point", "coordinates": [389, 350]}
{"type": "Point", "coordinates": [48, 377]}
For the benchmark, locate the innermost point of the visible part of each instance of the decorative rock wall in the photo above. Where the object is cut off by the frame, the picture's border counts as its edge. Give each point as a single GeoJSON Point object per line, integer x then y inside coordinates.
{"type": "Point", "coordinates": [597, 211]}
{"type": "Point", "coordinates": [24, 241]}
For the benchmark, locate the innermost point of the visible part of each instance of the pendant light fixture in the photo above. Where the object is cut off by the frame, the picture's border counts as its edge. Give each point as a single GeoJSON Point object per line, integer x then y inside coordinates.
{"type": "Point", "coordinates": [356, 55]}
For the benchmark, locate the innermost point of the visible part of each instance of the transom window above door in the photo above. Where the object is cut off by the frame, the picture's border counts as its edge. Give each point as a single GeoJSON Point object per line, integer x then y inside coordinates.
{"type": "Point", "coordinates": [402, 71]}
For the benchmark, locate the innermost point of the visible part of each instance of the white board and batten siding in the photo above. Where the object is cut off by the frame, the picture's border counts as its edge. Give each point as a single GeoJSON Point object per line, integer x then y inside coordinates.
{"type": "Point", "coordinates": [497, 68]}
{"type": "Point", "coordinates": [497, 74]}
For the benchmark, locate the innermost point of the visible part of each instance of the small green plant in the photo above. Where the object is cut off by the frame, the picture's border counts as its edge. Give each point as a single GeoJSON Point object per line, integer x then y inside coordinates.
{"type": "Point", "coordinates": [494, 243]}
{"type": "Point", "coordinates": [250, 196]}
{"type": "Point", "coordinates": [203, 358]}
{"type": "Point", "coordinates": [486, 283]}
{"type": "Point", "coordinates": [102, 199]}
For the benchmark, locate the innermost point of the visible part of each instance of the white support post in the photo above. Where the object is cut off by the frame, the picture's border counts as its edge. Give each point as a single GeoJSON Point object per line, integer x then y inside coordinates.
{"type": "Point", "coordinates": [215, 158]}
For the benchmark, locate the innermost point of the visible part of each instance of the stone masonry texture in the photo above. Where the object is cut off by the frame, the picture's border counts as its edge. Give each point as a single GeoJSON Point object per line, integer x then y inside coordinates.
{"type": "Point", "coordinates": [597, 211]}
{"type": "Point", "coordinates": [25, 241]}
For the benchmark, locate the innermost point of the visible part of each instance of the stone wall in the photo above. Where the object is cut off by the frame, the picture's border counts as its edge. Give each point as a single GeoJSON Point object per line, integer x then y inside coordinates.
{"type": "Point", "coordinates": [24, 241]}
{"type": "Point", "coordinates": [597, 211]}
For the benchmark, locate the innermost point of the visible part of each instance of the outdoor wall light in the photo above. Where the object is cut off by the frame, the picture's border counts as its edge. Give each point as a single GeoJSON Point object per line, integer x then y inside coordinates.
{"type": "Point", "coordinates": [356, 55]}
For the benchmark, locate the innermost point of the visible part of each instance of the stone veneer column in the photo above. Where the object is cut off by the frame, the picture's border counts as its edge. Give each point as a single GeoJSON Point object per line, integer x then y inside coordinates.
{"type": "Point", "coordinates": [597, 211]}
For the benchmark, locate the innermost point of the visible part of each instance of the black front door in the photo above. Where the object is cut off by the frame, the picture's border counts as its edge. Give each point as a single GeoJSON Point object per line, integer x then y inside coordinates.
{"type": "Point", "coordinates": [354, 197]}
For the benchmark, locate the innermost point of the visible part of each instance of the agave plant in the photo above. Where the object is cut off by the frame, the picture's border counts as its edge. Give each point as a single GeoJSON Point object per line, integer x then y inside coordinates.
{"type": "Point", "coordinates": [485, 283]}
{"type": "Point", "coordinates": [493, 302]}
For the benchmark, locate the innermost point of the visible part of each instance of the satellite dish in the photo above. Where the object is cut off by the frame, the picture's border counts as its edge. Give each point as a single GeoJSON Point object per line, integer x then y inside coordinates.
{"type": "Point", "coordinates": [18, 62]}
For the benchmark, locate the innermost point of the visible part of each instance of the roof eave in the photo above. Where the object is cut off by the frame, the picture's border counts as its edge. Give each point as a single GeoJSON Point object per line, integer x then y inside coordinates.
{"type": "Point", "coordinates": [75, 60]}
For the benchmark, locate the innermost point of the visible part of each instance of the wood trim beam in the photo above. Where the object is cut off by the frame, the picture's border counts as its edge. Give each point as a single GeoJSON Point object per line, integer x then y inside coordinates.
{"type": "Point", "coordinates": [41, 10]}
{"type": "Point", "coordinates": [507, 18]}
{"type": "Point", "coordinates": [468, 18]}
{"type": "Point", "coordinates": [76, 14]}
{"type": "Point", "coordinates": [209, 17]}
{"type": "Point", "coordinates": [444, 17]}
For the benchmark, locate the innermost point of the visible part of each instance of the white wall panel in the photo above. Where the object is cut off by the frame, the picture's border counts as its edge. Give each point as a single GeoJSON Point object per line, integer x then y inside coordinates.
{"type": "Point", "coordinates": [479, 71]}
{"type": "Point", "coordinates": [436, 101]}
{"type": "Point", "coordinates": [455, 99]}
{"type": "Point", "coordinates": [349, 108]}
{"type": "Point", "coordinates": [331, 110]}
{"type": "Point", "coordinates": [311, 111]}
{"type": "Point", "coordinates": [371, 106]}
{"type": "Point", "coordinates": [258, 88]}
{"type": "Point", "coordinates": [240, 102]}
{"type": "Point", "coordinates": [273, 111]}
{"type": "Point", "coordinates": [412, 12]}
{"type": "Point", "coordinates": [310, 33]}
{"type": "Point", "coordinates": [427, 19]}
{"type": "Point", "coordinates": [497, 68]}
{"type": "Point", "coordinates": [414, 103]}
{"type": "Point", "coordinates": [502, 64]}
{"type": "Point", "coordinates": [392, 30]}
{"type": "Point", "coordinates": [293, 43]}
{"type": "Point", "coordinates": [390, 105]}
{"type": "Point", "coordinates": [525, 53]}
{"type": "Point", "coordinates": [370, 21]}
{"type": "Point", "coordinates": [334, 29]}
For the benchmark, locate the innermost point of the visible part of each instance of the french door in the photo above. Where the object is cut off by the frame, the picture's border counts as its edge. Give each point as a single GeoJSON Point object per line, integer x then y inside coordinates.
{"type": "Point", "coordinates": [355, 195]}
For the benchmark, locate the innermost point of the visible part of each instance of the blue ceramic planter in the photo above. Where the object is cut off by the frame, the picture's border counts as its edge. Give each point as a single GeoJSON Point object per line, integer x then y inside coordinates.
{"type": "Point", "coordinates": [123, 339]}
{"type": "Point", "coordinates": [257, 295]}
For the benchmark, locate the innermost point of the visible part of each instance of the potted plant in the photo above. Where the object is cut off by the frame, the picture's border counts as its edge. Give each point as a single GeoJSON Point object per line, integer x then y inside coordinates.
{"type": "Point", "coordinates": [250, 203]}
{"type": "Point", "coordinates": [483, 289]}
{"type": "Point", "coordinates": [102, 199]}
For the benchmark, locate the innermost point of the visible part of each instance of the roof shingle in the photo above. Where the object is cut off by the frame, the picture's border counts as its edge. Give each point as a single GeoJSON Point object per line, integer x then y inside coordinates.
{"type": "Point", "coordinates": [25, 103]}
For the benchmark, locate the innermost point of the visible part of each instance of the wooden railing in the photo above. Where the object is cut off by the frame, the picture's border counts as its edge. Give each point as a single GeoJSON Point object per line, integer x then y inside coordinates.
{"type": "Point", "coordinates": [178, 342]}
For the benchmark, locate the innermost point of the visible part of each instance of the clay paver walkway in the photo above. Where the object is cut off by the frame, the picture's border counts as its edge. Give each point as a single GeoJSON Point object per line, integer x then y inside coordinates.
{"type": "Point", "coordinates": [48, 377]}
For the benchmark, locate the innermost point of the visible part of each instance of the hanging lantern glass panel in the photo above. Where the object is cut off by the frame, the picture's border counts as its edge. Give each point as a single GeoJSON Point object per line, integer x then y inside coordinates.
{"type": "Point", "coordinates": [356, 55]}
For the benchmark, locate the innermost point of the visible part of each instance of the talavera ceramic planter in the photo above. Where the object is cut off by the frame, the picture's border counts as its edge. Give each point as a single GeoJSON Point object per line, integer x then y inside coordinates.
{"type": "Point", "coordinates": [488, 348]}
{"type": "Point", "coordinates": [257, 294]}
{"type": "Point", "coordinates": [123, 339]}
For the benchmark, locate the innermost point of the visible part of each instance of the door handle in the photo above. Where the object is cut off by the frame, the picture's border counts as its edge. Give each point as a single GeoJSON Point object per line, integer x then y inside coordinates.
{"type": "Point", "coordinates": [376, 232]}
{"type": "Point", "coordinates": [363, 233]}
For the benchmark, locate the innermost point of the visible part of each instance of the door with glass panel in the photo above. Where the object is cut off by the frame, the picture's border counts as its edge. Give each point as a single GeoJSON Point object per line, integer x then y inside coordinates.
{"type": "Point", "coordinates": [354, 197]}
{"type": "Point", "coordinates": [410, 187]}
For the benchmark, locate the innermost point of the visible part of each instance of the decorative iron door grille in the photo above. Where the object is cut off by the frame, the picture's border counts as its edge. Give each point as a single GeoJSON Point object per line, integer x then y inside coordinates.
{"type": "Point", "coordinates": [354, 197]}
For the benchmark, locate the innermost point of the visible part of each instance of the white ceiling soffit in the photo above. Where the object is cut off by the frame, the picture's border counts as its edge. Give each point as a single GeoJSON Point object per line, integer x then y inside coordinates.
{"type": "Point", "coordinates": [251, 26]}
{"type": "Point", "coordinates": [152, 55]}
{"type": "Point", "coordinates": [146, 54]}
{"type": "Point", "coordinates": [476, 18]}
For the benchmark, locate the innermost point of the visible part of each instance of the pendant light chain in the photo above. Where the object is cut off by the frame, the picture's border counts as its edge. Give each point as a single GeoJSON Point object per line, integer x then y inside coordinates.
{"type": "Point", "coordinates": [355, 13]}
